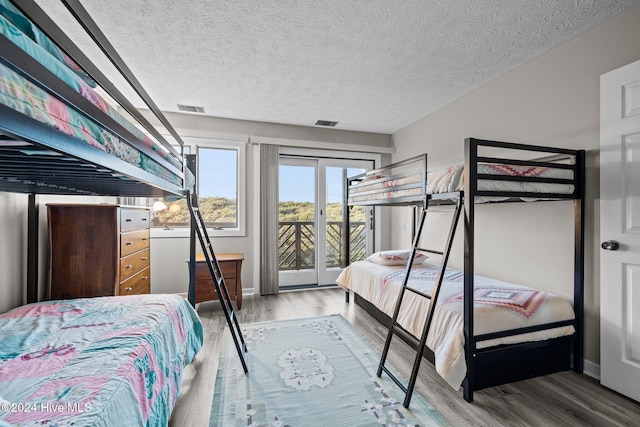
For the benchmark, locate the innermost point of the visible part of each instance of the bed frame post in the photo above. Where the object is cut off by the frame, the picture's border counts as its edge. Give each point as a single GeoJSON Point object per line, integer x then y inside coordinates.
{"type": "Point", "coordinates": [191, 295]}
{"type": "Point", "coordinates": [32, 249]}
{"type": "Point", "coordinates": [578, 274]}
{"type": "Point", "coordinates": [470, 171]}
{"type": "Point", "coordinates": [347, 226]}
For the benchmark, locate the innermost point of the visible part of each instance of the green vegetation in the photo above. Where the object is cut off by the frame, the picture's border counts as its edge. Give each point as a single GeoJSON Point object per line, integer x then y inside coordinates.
{"type": "Point", "coordinates": [220, 210]}
{"type": "Point", "coordinates": [216, 210]}
{"type": "Point", "coordinates": [304, 211]}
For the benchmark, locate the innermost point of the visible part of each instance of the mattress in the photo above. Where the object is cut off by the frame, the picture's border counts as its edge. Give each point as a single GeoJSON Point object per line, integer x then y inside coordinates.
{"type": "Point", "coordinates": [498, 306]}
{"type": "Point", "coordinates": [96, 361]}
{"type": "Point", "coordinates": [447, 180]}
{"type": "Point", "coordinates": [21, 94]}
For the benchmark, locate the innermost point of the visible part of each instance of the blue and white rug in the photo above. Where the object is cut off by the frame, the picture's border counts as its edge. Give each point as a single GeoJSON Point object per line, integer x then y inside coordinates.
{"type": "Point", "coordinates": [310, 372]}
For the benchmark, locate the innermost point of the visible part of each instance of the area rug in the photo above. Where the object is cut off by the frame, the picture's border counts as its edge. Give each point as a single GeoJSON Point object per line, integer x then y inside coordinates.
{"type": "Point", "coordinates": [310, 372]}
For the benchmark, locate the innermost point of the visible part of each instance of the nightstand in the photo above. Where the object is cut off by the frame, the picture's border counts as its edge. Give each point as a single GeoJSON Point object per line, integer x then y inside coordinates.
{"type": "Point", "coordinates": [231, 268]}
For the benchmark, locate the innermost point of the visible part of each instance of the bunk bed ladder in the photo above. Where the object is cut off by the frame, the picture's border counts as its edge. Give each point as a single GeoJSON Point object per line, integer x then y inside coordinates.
{"type": "Point", "coordinates": [216, 274]}
{"type": "Point", "coordinates": [395, 327]}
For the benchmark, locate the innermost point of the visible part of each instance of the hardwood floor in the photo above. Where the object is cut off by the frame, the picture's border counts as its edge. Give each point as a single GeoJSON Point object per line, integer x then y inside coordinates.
{"type": "Point", "coordinates": [564, 399]}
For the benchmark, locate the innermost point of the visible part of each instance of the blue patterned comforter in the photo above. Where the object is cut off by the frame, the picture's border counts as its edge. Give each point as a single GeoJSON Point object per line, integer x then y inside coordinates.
{"type": "Point", "coordinates": [96, 361]}
{"type": "Point", "coordinates": [23, 95]}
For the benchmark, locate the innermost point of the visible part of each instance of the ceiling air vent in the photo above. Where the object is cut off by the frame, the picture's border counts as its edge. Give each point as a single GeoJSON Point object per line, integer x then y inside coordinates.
{"type": "Point", "coordinates": [326, 123]}
{"type": "Point", "coordinates": [190, 108]}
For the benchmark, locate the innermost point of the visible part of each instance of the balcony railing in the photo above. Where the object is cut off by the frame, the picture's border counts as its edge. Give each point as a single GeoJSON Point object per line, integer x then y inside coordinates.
{"type": "Point", "coordinates": [296, 244]}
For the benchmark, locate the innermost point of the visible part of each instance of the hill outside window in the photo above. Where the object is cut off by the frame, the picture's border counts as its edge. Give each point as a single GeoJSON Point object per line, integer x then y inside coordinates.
{"type": "Point", "coordinates": [220, 191]}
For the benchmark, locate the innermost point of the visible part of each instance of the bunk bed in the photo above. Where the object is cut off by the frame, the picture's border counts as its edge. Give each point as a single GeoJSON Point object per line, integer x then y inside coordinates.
{"type": "Point", "coordinates": [66, 129]}
{"type": "Point", "coordinates": [505, 332]}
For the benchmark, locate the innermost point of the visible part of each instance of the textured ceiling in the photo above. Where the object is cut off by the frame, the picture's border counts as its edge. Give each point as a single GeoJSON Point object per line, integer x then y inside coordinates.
{"type": "Point", "coordinates": [371, 65]}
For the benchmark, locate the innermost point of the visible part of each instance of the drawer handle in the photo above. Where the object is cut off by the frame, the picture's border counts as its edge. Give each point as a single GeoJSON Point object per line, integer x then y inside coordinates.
{"type": "Point", "coordinates": [144, 219]}
{"type": "Point", "coordinates": [128, 289]}
{"type": "Point", "coordinates": [144, 238]}
{"type": "Point", "coordinates": [129, 243]}
{"type": "Point", "coordinates": [128, 220]}
{"type": "Point", "coordinates": [145, 277]}
{"type": "Point", "coordinates": [144, 258]}
{"type": "Point", "coordinates": [128, 266]}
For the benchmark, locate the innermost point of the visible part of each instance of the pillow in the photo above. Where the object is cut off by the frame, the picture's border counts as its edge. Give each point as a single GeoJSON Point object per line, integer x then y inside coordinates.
{"type": "Point", "coordinates": [373, 177]}
{"type": "Point", "coordinates": [398, 257]}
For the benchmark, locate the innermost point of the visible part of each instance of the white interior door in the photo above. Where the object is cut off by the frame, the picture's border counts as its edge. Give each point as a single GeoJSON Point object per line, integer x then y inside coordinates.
{"type": "Point", "coordinates": [620, 230]}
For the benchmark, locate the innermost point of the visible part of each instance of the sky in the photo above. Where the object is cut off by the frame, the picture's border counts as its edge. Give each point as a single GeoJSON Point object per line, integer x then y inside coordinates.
{"type": "Point", "coordinates": [218, 178]}
{"type": "Point", "coordinates": [297, 183]}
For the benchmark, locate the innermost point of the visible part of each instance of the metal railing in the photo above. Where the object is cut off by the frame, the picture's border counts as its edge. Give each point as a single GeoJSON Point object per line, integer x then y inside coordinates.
{"type": "Point", "coordinates": [296, 244]}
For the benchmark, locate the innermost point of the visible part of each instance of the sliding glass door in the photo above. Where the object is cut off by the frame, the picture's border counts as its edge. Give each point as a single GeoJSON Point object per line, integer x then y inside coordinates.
{"type": "Point", "coordinates": [312, 234]}
{"type": "Point", "coordinates": [297, 222]}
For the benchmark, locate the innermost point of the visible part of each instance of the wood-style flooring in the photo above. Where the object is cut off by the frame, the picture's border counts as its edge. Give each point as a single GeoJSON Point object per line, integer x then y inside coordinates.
{"type": "Point", "coordinates": [564, 399]}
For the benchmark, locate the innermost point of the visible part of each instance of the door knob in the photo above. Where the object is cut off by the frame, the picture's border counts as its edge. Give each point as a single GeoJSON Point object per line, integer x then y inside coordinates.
{"type": "Point", "coordinates": [610, 245]}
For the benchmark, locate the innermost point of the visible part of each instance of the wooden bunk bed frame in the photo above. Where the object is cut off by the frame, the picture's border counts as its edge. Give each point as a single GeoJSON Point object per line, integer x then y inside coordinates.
{"type": "Point", "coordinates": [502, 364]}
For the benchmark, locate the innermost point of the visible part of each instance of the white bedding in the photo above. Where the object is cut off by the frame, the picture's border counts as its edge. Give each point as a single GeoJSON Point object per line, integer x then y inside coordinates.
{"type": "Point", "coordinates": [498, 306]}
{"type": "Point", "coordinates": [379, 187]}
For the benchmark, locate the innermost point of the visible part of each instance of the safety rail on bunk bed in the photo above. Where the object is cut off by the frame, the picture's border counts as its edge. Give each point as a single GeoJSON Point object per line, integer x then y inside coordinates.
{"type": "Point", "coordinates": [377, 184]}
{"type": "Point", "coordinates": [58, 155]}
{"type": "Point", "coordinates": [38, 158]}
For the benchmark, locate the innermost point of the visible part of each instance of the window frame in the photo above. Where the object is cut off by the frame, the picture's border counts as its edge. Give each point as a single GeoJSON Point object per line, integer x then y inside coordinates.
{"type": "Point", "coordinates": [194, 145]}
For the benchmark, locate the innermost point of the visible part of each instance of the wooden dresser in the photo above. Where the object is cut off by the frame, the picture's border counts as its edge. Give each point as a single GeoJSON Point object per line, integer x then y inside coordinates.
{"type": "Point", "coordinates": [231, 268]}
{"type": "Point", "coordinates": [98, 250]}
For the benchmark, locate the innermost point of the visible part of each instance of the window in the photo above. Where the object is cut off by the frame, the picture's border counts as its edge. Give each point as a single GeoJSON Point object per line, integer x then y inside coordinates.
{"type": "Point", "coordinates": [220, 187]}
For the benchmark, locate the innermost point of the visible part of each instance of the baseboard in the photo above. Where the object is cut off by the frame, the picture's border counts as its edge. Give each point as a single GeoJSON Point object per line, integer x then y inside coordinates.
{"type": "Point", "coordinates": [591, 369]}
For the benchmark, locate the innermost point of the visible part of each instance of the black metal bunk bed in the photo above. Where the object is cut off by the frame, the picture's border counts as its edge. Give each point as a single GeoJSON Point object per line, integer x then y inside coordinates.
{"type": "Point", "coordinates": [41, 153]}
{"type": "Point", "coordinates": [59, 163]}
{"type": "Point", "coordinates": [500, 364]}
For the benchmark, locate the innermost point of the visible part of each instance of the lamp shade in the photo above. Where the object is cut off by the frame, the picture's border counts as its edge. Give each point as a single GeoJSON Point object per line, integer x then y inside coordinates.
{"type": "Point", "coordinates": [158, 206]}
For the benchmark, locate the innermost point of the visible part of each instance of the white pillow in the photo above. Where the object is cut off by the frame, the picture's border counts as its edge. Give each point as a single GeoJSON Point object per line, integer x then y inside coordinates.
{"type": "Point", "coordinates": [398, 257]}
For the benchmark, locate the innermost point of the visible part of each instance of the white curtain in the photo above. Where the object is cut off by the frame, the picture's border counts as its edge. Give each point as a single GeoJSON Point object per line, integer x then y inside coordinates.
{"type": "Point", "coordinates": [269, 219]}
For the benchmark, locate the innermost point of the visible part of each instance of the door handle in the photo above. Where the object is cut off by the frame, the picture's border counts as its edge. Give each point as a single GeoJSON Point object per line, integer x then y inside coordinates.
{"type": "Point", "coordinates": [610, 245]}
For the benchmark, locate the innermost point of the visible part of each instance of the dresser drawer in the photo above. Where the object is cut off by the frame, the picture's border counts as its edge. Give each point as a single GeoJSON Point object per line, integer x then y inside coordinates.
{"type": "Point", "coordinates": [133, 219]}
{"type": "Point", "coordinates": [140, 283]}
{"type": "Point", "coordinates": [133, 263]}
{"type": "Point", "coordinates": [205, 290]}
{"type": "Point", "coordinates": [133, 242]}
{"type": "Point", "coordinates": [228, 270]}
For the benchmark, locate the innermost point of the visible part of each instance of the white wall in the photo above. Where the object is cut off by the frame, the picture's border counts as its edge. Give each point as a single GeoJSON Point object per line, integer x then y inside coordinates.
{"type": "Point", "coordinates": [554, 101]}
{"type": "Point", "coordinates": [13, 224]}
{"type": "Point", "coordinates": [13, 244]}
